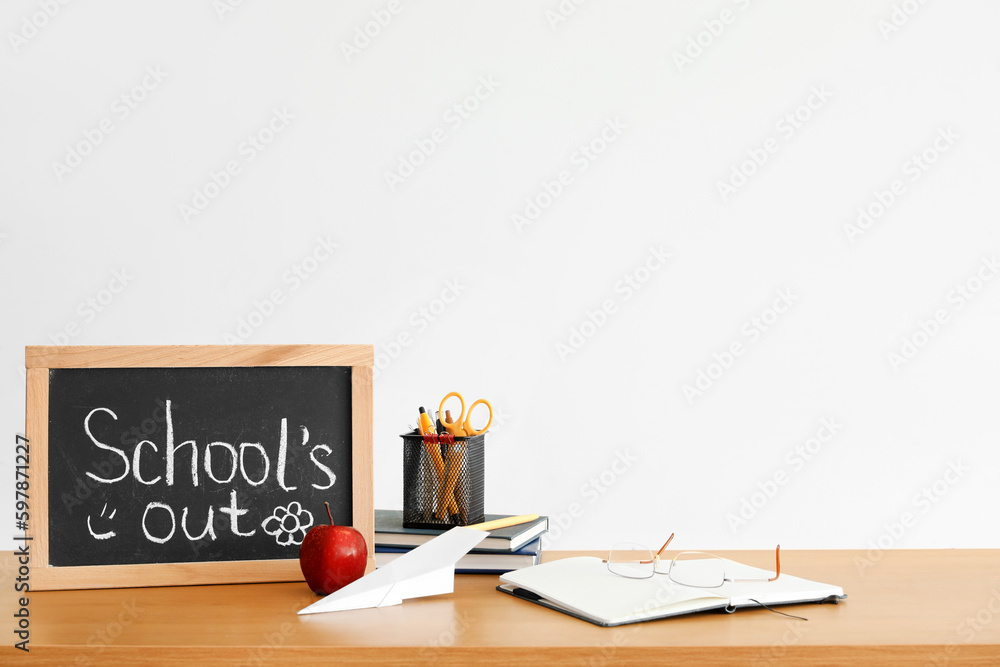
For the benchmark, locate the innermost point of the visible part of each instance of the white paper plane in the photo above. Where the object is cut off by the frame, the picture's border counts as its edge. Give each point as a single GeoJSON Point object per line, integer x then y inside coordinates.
{"type": "Point", "coordinates": [427, 570]}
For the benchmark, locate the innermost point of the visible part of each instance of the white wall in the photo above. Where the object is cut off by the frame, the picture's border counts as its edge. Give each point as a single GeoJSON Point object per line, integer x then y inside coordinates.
{"type": "Point", "coordinates": [615, 409]}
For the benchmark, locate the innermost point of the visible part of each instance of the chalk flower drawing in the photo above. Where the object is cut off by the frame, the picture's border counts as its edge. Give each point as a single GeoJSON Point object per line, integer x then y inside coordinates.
{"type": "Point", "coordinates": [287, 522]}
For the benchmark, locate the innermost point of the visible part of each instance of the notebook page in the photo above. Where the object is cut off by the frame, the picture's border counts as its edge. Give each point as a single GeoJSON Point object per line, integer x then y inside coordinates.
{"type": "Point", "coordinates": [584, 585]}
{"type": "Point", "coordinates": [785, 588]}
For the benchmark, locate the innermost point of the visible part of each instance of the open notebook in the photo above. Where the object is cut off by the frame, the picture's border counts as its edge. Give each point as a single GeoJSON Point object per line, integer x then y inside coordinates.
{"type": "Point", "coordinates": [583, 587]}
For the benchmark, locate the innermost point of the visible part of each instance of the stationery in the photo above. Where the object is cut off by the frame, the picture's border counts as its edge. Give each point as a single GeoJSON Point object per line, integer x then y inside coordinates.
{"type": "Point", "coordinates": [460, 428]}
{"type": "Point", "coordinates": [583, 587]}
{"type": "Point", "coordinates": [389, 531]}
{"type": "Point", "coordinates": [476, 561]}
{"type": "Point", "coordinates": [496, 524]}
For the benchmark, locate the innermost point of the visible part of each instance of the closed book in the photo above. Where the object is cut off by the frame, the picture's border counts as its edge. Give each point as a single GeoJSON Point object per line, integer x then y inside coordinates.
{"type": "Point", "coordinates": [476, 561]}
{"type": "Point", "coordinates": [390, 532]}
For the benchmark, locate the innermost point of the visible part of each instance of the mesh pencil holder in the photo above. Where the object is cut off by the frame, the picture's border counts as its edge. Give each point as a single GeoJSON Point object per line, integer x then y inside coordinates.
{"type": "Point", "coordinates": [443, 480]}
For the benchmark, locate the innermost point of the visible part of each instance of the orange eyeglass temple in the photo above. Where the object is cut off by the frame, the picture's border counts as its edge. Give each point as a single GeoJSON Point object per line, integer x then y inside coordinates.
{"type": "Point", "coordinates": [665, 544]}
{"type": "Point", "coordinates": [777, 563]}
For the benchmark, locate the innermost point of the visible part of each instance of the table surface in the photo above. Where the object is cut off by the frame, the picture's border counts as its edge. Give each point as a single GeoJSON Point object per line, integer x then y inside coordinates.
{"type": "Point", "coordinates": [904, 607]}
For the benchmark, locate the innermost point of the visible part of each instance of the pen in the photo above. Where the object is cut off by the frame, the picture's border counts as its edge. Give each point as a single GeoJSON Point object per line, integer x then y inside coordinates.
{"type": "Point", "coordinates": [503, 523]}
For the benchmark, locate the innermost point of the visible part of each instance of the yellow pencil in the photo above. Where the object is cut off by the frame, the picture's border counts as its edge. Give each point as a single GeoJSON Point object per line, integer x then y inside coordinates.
{"type": "Point", "coordinates": [503, 523]}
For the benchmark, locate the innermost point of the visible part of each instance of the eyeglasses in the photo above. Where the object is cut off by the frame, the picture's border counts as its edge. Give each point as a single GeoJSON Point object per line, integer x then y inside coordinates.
{"type": "Point", "coordinates": [688, 568]}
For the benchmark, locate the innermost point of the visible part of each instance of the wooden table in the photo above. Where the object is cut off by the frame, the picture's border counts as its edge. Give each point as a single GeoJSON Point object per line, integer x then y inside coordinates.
{"type": "Point", "coordinates": [908, 607]}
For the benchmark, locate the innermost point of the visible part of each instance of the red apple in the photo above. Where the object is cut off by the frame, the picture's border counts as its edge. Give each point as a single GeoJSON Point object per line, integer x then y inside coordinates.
{"type": "Point", "coordinates": [332, 556]}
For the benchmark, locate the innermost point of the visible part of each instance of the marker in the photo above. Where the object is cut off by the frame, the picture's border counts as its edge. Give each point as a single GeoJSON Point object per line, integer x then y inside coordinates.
{"type": "Point", "coordinates": [426, 425]}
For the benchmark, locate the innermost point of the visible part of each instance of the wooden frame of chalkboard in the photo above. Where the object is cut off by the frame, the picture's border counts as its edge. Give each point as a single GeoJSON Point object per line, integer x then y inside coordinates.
{"type": "Point", "coordinates": [46, 364]}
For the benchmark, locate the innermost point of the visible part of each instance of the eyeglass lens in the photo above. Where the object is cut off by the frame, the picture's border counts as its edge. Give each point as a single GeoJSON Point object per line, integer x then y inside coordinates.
{"type": "Point", "coordinates": [631, 560]}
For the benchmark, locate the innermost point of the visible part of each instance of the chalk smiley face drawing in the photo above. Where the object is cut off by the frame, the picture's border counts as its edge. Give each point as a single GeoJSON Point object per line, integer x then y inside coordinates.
{"type": "Point", "coordinates": [102, 536]}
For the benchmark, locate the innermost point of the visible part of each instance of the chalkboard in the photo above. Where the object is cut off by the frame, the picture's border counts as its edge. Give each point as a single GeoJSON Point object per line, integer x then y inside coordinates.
{"type": "Point", "coordinates": [199, 464]}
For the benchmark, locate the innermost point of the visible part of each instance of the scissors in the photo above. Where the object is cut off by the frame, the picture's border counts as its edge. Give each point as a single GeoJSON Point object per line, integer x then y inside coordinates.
{"type": "Point", "coordinates": [458, 428]}
{"type": "Point", "coordinates": [461, 427]}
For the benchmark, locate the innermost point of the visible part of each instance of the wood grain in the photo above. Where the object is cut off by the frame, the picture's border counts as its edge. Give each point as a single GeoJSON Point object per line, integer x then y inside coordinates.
{"type": "Point", "coordinates": [36, 430]}
{"type": "Point", "coordinates": [363, 457]}
{"type": "Point", "coordinates": [184, 356]}
{"type": "Point", "coordinates": [904, 608]}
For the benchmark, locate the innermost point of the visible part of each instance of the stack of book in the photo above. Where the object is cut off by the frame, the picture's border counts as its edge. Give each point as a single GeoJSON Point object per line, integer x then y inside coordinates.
{"type": "Point", "coordinates": [505, 550]}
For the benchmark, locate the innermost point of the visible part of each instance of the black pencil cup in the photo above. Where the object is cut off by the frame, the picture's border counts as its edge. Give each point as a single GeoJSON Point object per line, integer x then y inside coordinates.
{"type": "Point", "coordinates": [443, 480]}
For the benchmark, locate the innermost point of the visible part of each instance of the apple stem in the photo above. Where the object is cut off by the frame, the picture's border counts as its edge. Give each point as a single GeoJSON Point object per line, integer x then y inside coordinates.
{"type": "Point", "coordinates": [329, 513]}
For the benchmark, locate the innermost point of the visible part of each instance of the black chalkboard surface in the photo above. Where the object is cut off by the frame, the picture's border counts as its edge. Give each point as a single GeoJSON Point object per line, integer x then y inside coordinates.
{"type": "Point", "coordinates": [167, 465]}
{"type": "Point", "coordinates": [225, 455]}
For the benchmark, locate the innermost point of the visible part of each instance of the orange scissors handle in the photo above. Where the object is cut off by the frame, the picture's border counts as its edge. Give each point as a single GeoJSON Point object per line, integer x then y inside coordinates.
{"type": "Point", "coordinates": [463, 425]}
{"type": "Point", "coordinates": [455, 427]}
{"type": "Point", "coordinates": [469, 430]}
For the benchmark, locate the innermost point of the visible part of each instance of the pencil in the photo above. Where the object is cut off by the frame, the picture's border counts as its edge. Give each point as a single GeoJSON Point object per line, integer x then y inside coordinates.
{"type": "Point", "coordinates": [503, 523]}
